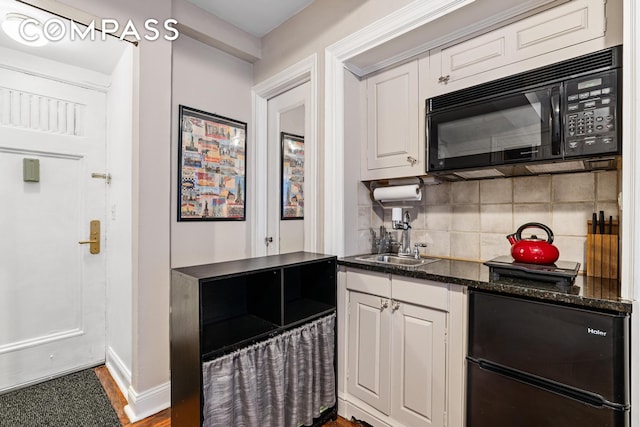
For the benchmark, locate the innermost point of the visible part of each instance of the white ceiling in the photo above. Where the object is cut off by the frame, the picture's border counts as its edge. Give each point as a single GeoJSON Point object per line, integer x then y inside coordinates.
{"type": "Point", "coordinates": [96, 55]}
{"type": "Point", "coordinates": [257, 17]}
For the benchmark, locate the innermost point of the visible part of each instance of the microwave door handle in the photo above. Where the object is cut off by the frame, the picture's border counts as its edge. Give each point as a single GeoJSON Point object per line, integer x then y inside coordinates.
{"type": "Point", "coordinates": [555, 121]}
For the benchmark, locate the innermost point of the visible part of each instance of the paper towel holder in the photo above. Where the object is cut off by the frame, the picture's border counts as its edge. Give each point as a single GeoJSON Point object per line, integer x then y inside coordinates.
{"type": "Point", "coordinates": [372, 185]}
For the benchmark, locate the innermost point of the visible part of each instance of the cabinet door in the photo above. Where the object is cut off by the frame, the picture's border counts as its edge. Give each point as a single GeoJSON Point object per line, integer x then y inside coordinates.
{"type": "Point", "coordinates": [369, 347]}
{"type": "Point", "coordinates": [418, 365]}
{"type": "Point", "coordinates": [482, 58]}
{"type": "Point", "coordinates": [393, 146]}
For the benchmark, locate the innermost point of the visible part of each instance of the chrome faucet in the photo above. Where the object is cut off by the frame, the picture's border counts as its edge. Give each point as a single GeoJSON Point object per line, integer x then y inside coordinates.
{"type": "Point", "coordinates": [405, 226]}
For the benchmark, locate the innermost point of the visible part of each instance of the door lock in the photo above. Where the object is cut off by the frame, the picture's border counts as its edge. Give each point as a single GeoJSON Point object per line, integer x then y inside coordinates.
{"type": "Point", "coordinates": [94, 237]}
{"type": "Point", "coordinates": [268, 240]}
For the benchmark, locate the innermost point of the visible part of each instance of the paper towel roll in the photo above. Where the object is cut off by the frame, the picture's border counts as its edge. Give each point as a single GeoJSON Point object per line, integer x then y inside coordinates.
{"type": "Point", "coordinates": [397, 193]}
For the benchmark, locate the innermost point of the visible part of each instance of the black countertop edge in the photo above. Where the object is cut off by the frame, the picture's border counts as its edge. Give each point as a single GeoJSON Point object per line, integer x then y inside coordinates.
{"type": "Point", "coordinates": [509, 286]}
{"type": "Point", "coordinates": [241, 266]}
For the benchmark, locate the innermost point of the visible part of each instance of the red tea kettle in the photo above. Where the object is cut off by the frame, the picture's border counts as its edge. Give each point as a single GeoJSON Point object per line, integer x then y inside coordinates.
{"type": "Point", "coordinates": [533, 250]}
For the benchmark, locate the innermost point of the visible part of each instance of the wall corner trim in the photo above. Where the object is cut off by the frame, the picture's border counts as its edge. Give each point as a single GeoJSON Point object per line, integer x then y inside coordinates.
{"type": "Point", "coordinates": [144, 404]}
{"type": "Point", "coordinates": [119, 371]}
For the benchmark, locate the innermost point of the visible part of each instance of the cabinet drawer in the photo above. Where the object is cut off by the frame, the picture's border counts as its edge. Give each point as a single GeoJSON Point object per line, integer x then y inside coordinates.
{"type": "Point", "coordinates": [369, 283]}
{"type": "Point", "coordinates": [421, 292]}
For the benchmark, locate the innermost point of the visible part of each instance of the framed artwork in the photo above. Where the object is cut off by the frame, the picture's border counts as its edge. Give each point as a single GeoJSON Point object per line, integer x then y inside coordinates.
{"type": "Point", "coordinates": [292, 182]}
{"type": "Point", "coordinates": [211, 167]}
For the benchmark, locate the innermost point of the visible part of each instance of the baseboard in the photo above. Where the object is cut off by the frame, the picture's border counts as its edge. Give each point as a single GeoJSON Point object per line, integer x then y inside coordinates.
{"type": "Point", "coordinates": [149, 402]}
{"type": "Point", "coordinates": [120, 373]}
{"type": "Point", "coordinates": [342, 406]}
{"type": "Point", "coordinates": [358, 413]}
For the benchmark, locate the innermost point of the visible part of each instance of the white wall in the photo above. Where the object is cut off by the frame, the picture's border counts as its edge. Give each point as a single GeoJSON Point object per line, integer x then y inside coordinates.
{"type": "Point", "coordinates": [149, 391]}
{"type": "Point", "coordinates": [356, 193]}
{"type": "Point", "coordinates": [319, 25]}
{"type": "Point", "coordinates": [119, 216]}
{"type": "Point", "coordinates": [210, 80]}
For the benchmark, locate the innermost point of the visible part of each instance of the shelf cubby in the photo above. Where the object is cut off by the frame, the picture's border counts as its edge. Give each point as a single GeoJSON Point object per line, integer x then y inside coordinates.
{"type": "Point", "coordinates": [219, 308]}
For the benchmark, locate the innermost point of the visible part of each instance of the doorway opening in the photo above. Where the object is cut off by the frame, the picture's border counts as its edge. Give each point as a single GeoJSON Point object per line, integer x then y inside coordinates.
{"type": "Point", "coordinates": [66, 154]}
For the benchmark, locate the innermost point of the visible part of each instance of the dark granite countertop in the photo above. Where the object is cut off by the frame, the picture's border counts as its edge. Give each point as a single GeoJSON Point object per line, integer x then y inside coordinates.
{"type": "Point", "coordinates": [586, 291]}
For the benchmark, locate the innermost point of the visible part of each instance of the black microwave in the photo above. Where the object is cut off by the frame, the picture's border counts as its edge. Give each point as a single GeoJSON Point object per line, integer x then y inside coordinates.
{"type": "Point", "coordinates": [570, 110]}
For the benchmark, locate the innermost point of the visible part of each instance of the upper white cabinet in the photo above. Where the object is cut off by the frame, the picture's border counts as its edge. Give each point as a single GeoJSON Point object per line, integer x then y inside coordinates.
{"type": "Point", "coordinates": [506, 50]}
{"type": "Point", "coordinates": [394, 147]}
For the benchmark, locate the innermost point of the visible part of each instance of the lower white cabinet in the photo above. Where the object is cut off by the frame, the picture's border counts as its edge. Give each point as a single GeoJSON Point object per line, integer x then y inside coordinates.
{"type": "Point", "coordinates": [419, 364]}
{"type": "Point", "coordinates": [369, 377]}
{"type": "Point", "coordinates": [402, 369]}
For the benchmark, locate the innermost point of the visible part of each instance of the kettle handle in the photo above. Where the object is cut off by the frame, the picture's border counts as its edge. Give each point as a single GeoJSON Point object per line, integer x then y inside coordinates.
{"type": "Point", "coordinates": [535, 225]}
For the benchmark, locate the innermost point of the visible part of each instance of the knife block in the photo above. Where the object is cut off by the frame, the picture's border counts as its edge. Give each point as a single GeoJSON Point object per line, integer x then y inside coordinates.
{"type": "Point", "coordinates": [602, 253]}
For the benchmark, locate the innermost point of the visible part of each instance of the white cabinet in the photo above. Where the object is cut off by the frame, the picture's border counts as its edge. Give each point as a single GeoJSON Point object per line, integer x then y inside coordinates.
{"type": "Point", "coordinates": [403, 368]}
{"type": "Point", "coordinates": [419, 363]}
{"type": "Point", "coordinates": [525, 44]}
{"type": "Point", "coordinates": [393, 145]}
{"type": "Point", "coordinates": [369, 350]}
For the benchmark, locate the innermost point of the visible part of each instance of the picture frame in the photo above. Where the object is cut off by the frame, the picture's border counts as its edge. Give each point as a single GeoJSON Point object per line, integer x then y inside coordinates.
{"type": "Point", "coordinates": [211, 167]}
{"type": "Point", "coordinates": [292, 176]}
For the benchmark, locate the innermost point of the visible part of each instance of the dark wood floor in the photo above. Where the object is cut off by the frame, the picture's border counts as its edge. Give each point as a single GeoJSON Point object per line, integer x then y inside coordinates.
{"type": "Point", "coordinates": [162, 419]}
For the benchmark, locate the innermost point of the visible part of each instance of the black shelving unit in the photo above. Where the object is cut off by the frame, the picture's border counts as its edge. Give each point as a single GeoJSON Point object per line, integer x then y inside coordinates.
{"type": "Point", "coordinates": [222, 307]}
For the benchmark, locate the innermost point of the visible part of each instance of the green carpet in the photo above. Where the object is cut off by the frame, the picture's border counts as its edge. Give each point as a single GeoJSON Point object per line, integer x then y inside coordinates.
{"type": "Point", "coordinates": [73, 400]}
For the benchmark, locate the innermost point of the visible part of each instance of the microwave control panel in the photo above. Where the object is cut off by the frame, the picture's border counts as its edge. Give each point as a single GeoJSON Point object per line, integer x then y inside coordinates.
{"type": "Point", "coordinates": [590, 115]}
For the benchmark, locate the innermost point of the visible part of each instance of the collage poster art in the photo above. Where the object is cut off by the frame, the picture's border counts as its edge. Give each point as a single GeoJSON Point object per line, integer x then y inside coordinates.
{"type": "Point", "coordinates": [292, 176]}
{"type": "Point", "coordinates": [212, 167]}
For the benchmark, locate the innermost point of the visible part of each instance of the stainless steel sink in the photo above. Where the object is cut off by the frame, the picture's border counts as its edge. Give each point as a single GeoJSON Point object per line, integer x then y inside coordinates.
{"type": "Point", "coordinates": [397, 261]}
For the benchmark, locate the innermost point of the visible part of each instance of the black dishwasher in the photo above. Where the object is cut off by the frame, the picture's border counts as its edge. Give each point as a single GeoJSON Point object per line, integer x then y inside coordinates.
{"type": "Point", "coordinates": [537, 364]}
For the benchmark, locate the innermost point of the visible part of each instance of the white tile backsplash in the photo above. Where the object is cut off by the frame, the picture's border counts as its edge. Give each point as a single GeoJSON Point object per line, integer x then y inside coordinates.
{"type": "Point", "coordinates": [570, 219]}
{"type": "Point", "coordinates": [364, 241]}
{"type": "Point", "coordinates": [364, 218]}
{"type": "Point", "coordinates": [532, 189]}
{"type": "Point", "coordinates": [609, 208]}
{"type": "Point", "coordinates": [438, 243]}
{"type": "Point", "coordinates": [572, 249]}
{"type": "Point", "coordinates": [377, 217]}
{"type": "Point", "coordinates": [579, 187]}
{"type": "Point", "coordinates": [438, 217]}
{"type": "Point", "coordinates": [607, 185]}
{"type": "Point", "coordinates": [496, 218]}
{"type": "Point", "coordinates": [493, 245]}
{"type": "Point", "coordinates": [470, 219]}
{"type": "Point", "coordinates": [465, 218]}
{"type": "Point", "coordinates": [523, 213]}
{"type": "Point", "coordinates": [465, 245]}
{"type": "Point", "coordinates": [418, 217]}
{"type": "Point", "coordinates": [496, 191]}
{"type": "Point", "coordinates": [439, 194]}
{"type": "Point", "coordinates": [465, 192]}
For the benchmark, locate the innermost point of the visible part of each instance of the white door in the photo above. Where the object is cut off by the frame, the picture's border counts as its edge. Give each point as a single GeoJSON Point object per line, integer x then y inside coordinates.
{"type": "Point", "coordinates": [52, 289]}
{"type": "Point", "coordinates": [285, 113]}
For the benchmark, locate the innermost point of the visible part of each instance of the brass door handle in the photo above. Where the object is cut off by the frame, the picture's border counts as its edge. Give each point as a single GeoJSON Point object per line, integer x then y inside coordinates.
{"type": "Point", "coordinates": [94, 237]}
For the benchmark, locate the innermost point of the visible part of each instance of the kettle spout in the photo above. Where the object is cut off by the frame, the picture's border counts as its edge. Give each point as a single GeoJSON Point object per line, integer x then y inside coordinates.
{"type": "Point", "coordinates": [512, 238]}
